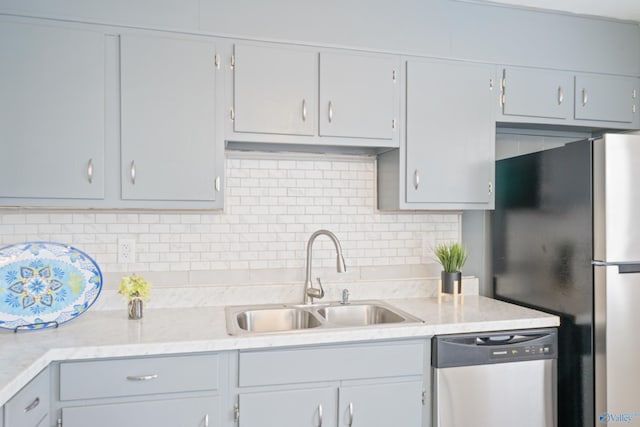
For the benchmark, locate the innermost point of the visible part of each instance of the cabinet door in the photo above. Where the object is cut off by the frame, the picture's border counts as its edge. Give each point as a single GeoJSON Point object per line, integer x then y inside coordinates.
{"type": "Point", "coordinates": [51, 112]}
{"type": "Point", "coordinates": [606, 98]}
{"type": "Point", "coordinates": [187, 412]}
{"type": "Point", "coordinates": [539, 93]}
{"type": "Point", "coordinates": [381, 405]}
{"type": "Point", "coordinates": [289, 408]}
{"type": "Point", "coordinates": [30, 406]}
{"type": "Point", "coordinates": [358, 95]}
{"type": "Point", "coordinates": [168, 118]}
{"type": "Point", "coordinates": [275, 89]}
{"type": "Point", "coordinates": [450, 146]}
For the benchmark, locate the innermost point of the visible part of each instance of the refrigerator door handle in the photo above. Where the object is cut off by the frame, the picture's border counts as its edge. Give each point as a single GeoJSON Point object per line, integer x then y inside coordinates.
{"type": "Point", "coordinates": [623, 268]}
{"type": "Point", "coordinates": [628, 268]}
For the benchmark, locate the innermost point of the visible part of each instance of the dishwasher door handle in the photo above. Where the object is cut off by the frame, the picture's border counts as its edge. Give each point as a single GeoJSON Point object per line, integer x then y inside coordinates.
{"type": "Point", "coordinates": [505, 339]}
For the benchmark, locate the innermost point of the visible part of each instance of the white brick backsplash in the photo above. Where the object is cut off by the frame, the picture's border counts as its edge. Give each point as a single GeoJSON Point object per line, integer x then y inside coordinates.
{"type": "Point", "coordinates": [272, 205]}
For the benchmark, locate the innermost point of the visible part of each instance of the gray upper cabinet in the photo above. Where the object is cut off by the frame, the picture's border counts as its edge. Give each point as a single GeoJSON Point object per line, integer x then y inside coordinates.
{"type": "Point", "coordinates": [274, 89]}
{"type": "Point", "coordinates": [357, 95]}
{"type": "Point", "coordinates": [305, 95]}
{"type": "Point", "coordinates": [542, 96]}
{"type": "Point", "coordinates": [606, 98]}
{"type": "Point", "coordinates": [449, 152]}
{"type": "Point", "coordinates": [52, 111]}
{"type": "Point", "coordinates": [529, 92]}
{"type": "Point", "coordinates": [168, 93]}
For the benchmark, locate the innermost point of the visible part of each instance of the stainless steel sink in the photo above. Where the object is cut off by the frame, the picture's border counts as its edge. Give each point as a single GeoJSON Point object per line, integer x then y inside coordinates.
{"type": "Point", "coordinates": [252, 319]}
{"type": "Point", "coordinates": [276, 319]}
{"type": "Point", "coordinates": [359, 315]}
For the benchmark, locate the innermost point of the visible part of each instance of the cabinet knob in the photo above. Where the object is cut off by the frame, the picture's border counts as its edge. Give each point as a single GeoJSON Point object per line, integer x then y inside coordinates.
{"type": "Point", "coordinates": [90, 171]}
{"type": "Point", "coordinates": [560, 95]}
{"type": "Point", "coordinates": [330, 111]}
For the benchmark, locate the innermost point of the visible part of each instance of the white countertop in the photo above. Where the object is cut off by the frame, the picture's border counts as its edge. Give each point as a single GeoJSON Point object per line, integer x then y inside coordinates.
{"type": "Point", "coordinates": [98, 334]}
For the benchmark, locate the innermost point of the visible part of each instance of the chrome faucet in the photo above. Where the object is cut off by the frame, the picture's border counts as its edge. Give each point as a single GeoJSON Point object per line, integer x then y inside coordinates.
{"type": "Point", "coordinates": [309, 291]}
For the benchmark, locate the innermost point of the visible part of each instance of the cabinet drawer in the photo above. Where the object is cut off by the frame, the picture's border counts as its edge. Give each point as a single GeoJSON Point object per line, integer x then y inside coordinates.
{"type": "Point", "coordinates": [131, 377]}
{"type": "Point", "coordinates": [299, 365]}
{"type": "Point", "coordinates": [200, 411]}
{"type": "Point", "coordinates": [30, 406]}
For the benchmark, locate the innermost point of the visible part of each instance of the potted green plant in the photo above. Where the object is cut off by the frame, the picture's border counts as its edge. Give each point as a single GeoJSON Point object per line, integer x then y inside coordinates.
{"type": "Point", "coordinates": [137, 289]}
{"type": "Point", "coordinates": [452, 257]}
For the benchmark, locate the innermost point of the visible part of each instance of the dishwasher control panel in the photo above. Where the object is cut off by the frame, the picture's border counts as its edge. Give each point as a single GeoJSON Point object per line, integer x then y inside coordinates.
{"type": "Point", "coordinates": [517, 352]}
{"type": "Point", "coordinates": [498, 347]}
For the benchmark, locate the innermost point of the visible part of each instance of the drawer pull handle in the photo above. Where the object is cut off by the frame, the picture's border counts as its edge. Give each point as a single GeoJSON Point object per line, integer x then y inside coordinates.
{"type": "Point", "coordinates": [142, 377]}
{"type": "Point", "coordinates": [560, 95]}
{"type": "Point", "coordinates": [206, 420]}
{"type": "Point", "coordinates": [320, 415]}
{"type": "Point", "coordinates": [33, 405]}
{"type": "Point", "coordinates": [350, 414]}
{"type": "Point", "coordinates": [90, 171]}
{"type": "Point", "coordinates": [304, 110]}
{"type": "Point", "coordinates": [330, 111]}
{"type": "Point", "coordinates": [133, 172]}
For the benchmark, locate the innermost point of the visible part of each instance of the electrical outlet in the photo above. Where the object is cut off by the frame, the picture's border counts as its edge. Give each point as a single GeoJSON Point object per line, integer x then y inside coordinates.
{"type": "Point", "coordinates": [126, 251]}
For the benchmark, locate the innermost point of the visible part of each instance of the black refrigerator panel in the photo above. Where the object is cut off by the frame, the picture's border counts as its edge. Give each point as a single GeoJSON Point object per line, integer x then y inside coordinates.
{"type": "Point", "coordinates": [542, 243]}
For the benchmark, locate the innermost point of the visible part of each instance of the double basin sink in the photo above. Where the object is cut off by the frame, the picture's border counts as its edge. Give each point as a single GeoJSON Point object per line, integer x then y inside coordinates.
{"type": "Point", "coordinates": [251, 319]}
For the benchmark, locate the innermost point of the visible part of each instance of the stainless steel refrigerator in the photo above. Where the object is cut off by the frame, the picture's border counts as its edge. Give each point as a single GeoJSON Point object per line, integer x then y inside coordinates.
{"type": "Point", "coordinates": [566, 240]}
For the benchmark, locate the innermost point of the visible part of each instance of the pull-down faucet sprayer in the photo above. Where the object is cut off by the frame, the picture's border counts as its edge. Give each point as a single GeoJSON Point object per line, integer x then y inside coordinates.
{"type": "Point", "coordinates": [309, 291]}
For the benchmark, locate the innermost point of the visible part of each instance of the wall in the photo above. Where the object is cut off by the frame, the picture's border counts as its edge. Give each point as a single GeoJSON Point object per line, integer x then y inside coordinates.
{"type": "Point", "coordinates": [255, 249]}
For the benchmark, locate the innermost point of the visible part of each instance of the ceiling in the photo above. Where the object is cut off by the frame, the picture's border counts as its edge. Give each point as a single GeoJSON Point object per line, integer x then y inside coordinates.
{"type": "Point", "coordinates": [620, 9]}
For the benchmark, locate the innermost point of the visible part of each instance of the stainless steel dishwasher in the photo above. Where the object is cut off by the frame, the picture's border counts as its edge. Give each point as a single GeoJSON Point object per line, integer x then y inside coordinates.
{"type": "Point", "coordinates": [501, 379]}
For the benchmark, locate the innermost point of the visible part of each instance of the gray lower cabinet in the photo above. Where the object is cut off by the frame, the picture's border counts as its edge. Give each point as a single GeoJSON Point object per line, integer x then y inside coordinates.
{"type": "Point", "coordinates": [390, 404]}
{"type": "Point", "coordinates": [167, 391]}
{"type": "Point", "coordinates": [298, 407]}
{"type": "Point", "coordinates": [369, 384]}
{"type": "Point", "coordinates": [168, 102]}
{"type": "Point", "coordinates": [447, 158]}
{"type": "Point", "coordinates": [305, 95]}
{"type": "Point", "coordinates": [186, 412]}
{"type": "Point", "coordinates": [52, 112]}
{"type": "Point", "coordinates": [30, 406]}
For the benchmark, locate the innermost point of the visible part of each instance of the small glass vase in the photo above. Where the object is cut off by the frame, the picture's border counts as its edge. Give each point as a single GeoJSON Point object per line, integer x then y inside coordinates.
{"type": "Point", "coordinates": [135, 308]}
{"type": "Point", "coordinates": [451, 283]}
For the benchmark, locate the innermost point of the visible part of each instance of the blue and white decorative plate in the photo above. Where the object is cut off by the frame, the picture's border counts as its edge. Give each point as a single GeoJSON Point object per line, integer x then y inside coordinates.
{"type": "Point", "coordinates": [45, 284]}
